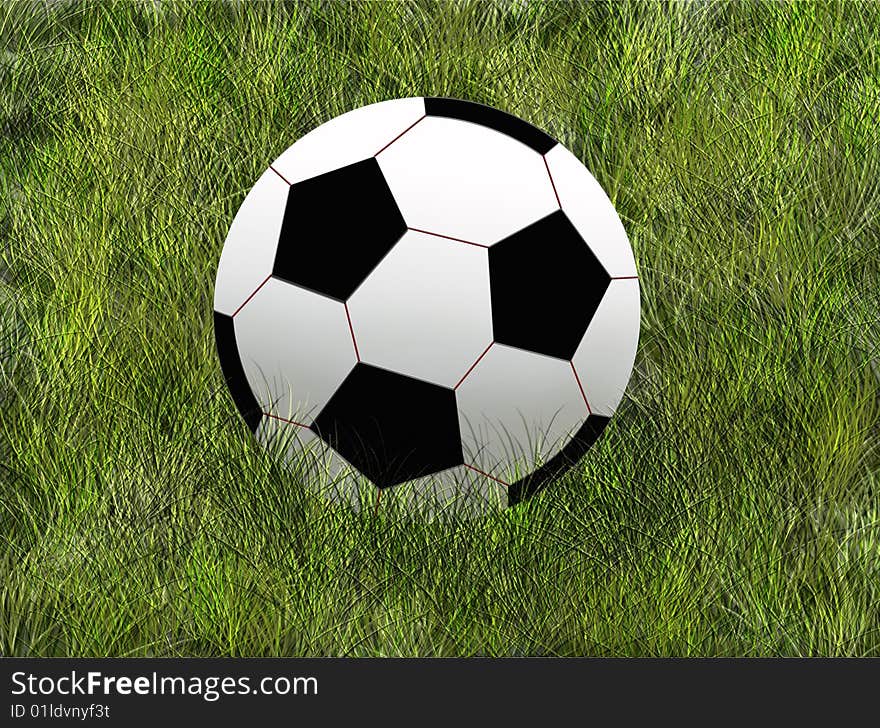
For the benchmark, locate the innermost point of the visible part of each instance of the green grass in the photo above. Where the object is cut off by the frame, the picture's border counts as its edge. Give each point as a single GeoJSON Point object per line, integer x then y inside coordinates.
{"type": "Point", "coordinates": [731, 508]}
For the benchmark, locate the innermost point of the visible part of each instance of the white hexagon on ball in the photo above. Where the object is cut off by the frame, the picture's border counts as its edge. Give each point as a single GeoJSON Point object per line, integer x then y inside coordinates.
{"type": "Point", "coordinates": [430, 304]}
{"type": "Point", "coordinates": [426, 290]}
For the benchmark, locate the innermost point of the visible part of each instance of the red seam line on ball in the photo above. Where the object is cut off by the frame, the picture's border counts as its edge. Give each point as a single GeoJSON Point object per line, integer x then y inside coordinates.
{"type": "Point", "coordinates": [583, 394]}
{"type": "Point", "coordinates": [491, 477]}
{"type": "Point", "coordinates": [624, 278]}
{"type": "Point", "coordinates": [400, 135]}
{"type": "Point", "coordinates": [552, 183]}
{"type": "Point", "coordinates": [279, 174]}
{"type": "Point", "coordinates": [447, 237]}
{"type": "Point", "coordinates": [351, 329]}
{"type": "Point", "coordinates": [265, 280]}
{"type": "Point", "coordinates": [284, 419]}
{"type": "Point", "coordinates": [473, 365]}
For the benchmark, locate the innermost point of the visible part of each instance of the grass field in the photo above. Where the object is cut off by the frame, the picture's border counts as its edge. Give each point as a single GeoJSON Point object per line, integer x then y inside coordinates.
{"type": "Point", "coordinates": [731, 508]}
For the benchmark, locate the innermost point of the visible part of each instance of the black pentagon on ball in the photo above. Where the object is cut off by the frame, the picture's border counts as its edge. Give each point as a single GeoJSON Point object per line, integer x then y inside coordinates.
{"type": "Point", "coordinates": [546, 285]}
{"type": "Point", "coordinates": [580, 443]}
{"type": "Point", "coordinates": [500, 121]}
{"type": "Point", "coordinates": [391, 427]}
{"type": "Point", "coordinates": [337, 227]}
{"type": "Point", "coordinates": [233, 371]}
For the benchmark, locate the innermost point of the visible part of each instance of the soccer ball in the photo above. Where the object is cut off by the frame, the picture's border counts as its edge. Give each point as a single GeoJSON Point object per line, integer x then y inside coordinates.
{"type": "Point", "coordinates": [427, 300]}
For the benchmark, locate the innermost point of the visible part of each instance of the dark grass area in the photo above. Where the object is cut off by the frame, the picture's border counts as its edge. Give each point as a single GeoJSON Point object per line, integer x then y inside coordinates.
{"type": "Point", "coordinates": [731, 508]}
